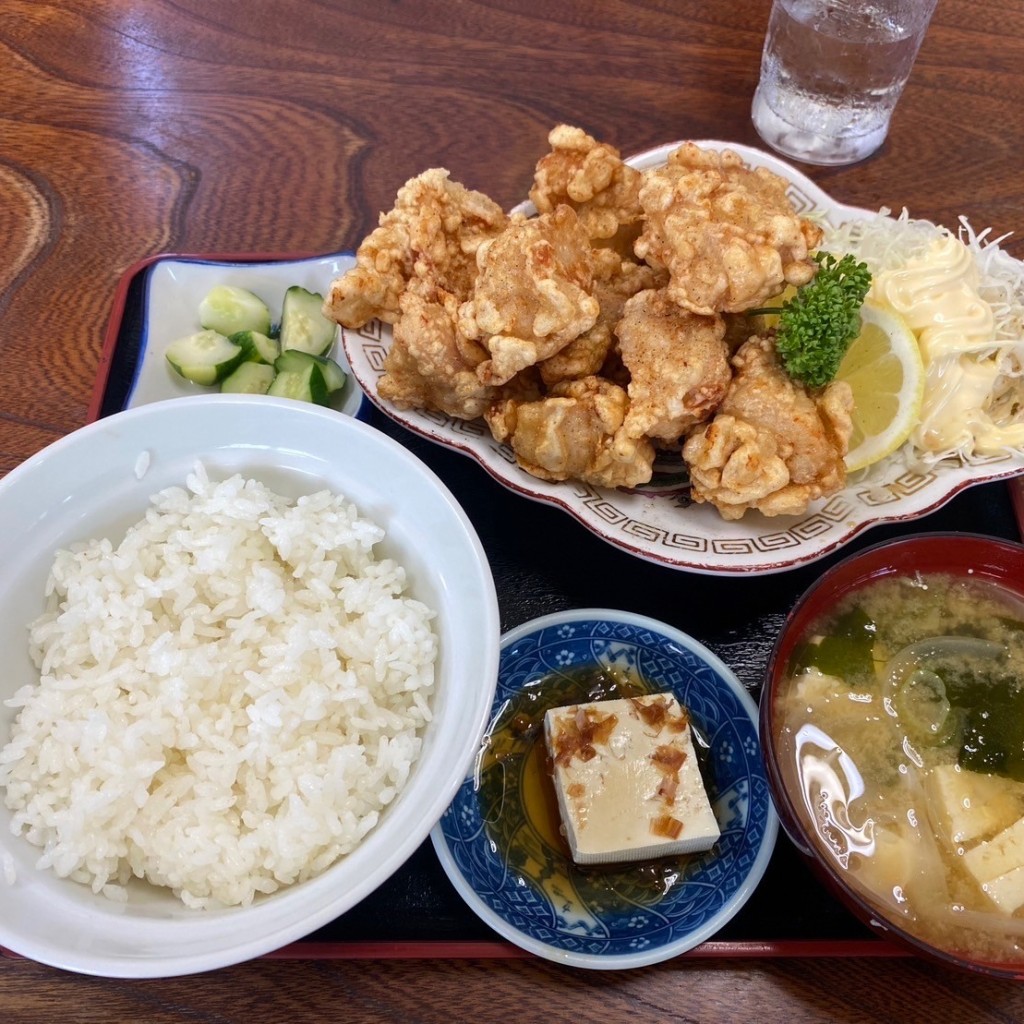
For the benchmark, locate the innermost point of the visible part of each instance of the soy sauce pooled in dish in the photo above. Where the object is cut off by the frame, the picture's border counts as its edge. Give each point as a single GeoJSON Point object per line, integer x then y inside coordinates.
{"type": "Point", "coordinates": [520, 808]}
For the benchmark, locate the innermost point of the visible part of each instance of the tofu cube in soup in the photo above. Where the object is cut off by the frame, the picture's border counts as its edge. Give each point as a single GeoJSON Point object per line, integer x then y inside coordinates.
{"type": "Point", "coordinates": [998, 867]}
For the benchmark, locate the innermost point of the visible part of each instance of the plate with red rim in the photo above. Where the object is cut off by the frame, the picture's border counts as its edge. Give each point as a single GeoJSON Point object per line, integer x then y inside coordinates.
{"type": "Point", "coordinates": [657, 522]}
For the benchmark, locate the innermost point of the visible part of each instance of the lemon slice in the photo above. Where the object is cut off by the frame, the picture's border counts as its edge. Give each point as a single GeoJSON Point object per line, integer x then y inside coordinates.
{"type": "Point", "coordinates": [884, 369]}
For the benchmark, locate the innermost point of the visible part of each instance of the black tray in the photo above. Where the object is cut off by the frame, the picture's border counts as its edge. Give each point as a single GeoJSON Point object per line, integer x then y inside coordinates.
{"type": "Point", "coordinates": [542, 562]}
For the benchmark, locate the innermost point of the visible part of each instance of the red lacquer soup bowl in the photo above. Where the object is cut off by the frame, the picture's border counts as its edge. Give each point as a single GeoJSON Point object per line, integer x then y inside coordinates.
{"type": "Point", "coordinates": [892, 724]}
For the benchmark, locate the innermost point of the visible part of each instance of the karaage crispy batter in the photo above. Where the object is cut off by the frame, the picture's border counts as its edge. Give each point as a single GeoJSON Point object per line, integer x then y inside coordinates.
{"type": "Point", "coordinates": [533, 293]}
{"type": "Point", "coordinates": [582, 357]}
{"type": "Point", "coordinates": [678, 366]}
{"type": "Point", "coordinates": [618, 280]}
{"type": "Point", "coordinates": [726, 233]}
{"type": "Point", "coordinates": [425, 243]}
{"type": "Point", "coordinates": [593, 179]}
{"type": "Point", "coordinates": [430, 365]}
{"type": "Point", "coordinates": [574, 433]}
{"type": "Point", "coordinates": [772, 446]}
{"type": "Point", "coordinates": [615, 281]}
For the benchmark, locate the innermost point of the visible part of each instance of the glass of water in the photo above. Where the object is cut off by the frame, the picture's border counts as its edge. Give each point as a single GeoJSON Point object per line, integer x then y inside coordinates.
{"type": "Point", "coordinates": [831, 73]}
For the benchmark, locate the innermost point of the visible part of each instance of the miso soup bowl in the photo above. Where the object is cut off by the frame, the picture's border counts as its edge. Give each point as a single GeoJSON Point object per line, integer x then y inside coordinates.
{"type": "Point", "coordinates": [954, 554]}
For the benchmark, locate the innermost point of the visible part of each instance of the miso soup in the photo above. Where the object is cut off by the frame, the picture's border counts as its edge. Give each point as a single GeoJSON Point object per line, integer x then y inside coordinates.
{"type": "Point", "coordinates": [900, 729]}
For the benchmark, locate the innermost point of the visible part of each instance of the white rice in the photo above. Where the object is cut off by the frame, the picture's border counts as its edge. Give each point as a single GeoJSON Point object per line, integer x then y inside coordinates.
{"type": "Point", "coordinates": [142, 465]}
{"type": "Point", "coordinates": [228, 699]}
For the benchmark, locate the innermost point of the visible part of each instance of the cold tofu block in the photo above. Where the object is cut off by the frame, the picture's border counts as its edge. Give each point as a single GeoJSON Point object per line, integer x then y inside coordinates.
{"type": "Point", "coordinates": [628, 784]}
{"type": "Point", "coordinates": [997, 867]}
{"type": "Point", "coordinates": [971, 805]}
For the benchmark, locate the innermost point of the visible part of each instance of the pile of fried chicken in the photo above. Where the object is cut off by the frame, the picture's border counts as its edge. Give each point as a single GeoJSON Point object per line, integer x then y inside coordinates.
{"type": "Point", "coordinates": [610, 324]}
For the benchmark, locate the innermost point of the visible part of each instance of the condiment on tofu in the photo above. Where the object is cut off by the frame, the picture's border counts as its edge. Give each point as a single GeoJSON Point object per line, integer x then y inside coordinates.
{"type": "Point", "coordinates": [627, 780]}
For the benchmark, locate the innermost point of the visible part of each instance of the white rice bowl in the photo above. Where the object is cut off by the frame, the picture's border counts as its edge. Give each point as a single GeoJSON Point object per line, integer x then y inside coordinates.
{"type": "Point", "coordinates": [98, 482]}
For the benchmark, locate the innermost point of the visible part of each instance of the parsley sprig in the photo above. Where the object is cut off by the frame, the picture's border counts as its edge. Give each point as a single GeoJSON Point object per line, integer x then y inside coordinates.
{"type": "Point", "coordinates": [817, 325]}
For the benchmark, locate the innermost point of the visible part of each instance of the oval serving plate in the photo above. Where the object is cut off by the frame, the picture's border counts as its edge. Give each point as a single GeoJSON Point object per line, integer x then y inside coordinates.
{"type": "Point", "coordinates": [657, 522]}
{"type": "Point", "coordinates": [540, 901]}
{"type": "Point", "coordinates": [174, 287]}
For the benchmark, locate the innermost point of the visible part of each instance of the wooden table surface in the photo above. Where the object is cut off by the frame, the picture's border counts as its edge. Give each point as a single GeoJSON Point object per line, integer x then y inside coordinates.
{"type": "Point", "coordinates": [134, 127]}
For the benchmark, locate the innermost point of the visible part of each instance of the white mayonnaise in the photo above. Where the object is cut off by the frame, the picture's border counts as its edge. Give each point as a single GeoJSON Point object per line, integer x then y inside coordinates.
{"type": "Point", "coordinates": [937, 294]}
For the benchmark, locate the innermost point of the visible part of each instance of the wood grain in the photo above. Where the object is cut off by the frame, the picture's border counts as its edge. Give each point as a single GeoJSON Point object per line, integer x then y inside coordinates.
{"type": "Point", "coordinates": [437, 992]}
{"type": "Point", "coordinates": [129, 129]}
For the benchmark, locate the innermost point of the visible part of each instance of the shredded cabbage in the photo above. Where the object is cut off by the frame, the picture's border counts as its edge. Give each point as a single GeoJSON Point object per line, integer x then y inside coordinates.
{"type": "Point", "coordinates": [888, 243]}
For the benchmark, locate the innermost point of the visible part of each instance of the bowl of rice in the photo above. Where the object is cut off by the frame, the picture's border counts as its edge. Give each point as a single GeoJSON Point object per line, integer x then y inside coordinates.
{"type": "Point", "coordinates": [251, 646]}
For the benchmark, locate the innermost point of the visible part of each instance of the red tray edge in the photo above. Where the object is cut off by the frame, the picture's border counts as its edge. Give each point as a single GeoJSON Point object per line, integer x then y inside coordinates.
{"type": "Point", "coordinates": [499, 950]}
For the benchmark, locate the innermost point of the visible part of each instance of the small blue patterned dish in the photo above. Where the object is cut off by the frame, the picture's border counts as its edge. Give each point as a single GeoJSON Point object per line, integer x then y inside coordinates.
{"type": "Point", "coordinates": [499, 841]}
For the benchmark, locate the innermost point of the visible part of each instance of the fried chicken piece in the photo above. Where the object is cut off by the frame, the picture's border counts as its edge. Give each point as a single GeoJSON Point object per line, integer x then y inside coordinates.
{"type": "Point", "coordinates": [582, 357]}
{"type": "Point", "coordinates": [592, 178]}
{"type": "Point", "coordinates": [427, 242]}
{"type": "Point", "coordinates": [574, 433]}
{"type": "Point", "coordinates": [615, 281]}
{"type": "Point", "coordinates": [771, 446]}
{"type": "Point", "coordinates": [678, 364]}
{"type": "Point", "coordinates": [430, 365]}
{"type": "Point", "coordinates": [727, 234]}
{"type": "Point", "coordinates": [533, 294]}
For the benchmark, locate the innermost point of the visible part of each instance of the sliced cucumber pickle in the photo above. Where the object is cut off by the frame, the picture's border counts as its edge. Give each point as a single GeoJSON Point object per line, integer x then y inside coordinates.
{"type": "Point", "coordinates": [229, 309]}
{"type": "Point", "coordinates": [205, 357]}
{"type": "Point", "coordinates": [296, 361]}
{"type": "Point", "coordinates": [249, 379]}
{"type": "Point", "coordinates": [303, 324]}
{"type": "Point", "coordinates": [258, 347]}
{"type": "Point", "coordinates": [306, 385]}
{"type": "Point", "coordinates": [238, 350]}
{"type": "Point", "coordinates": [334, 376]}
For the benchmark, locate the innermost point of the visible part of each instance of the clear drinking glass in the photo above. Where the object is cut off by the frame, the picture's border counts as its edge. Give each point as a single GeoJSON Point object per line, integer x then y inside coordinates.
{"type": "Point", "coordinates": [831, 73]}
